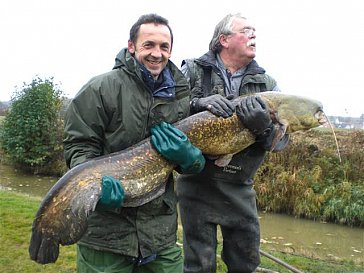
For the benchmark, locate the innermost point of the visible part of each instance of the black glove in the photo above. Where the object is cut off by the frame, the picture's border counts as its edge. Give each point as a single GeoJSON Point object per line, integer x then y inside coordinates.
{"type": "Point", "coordinates": [254, 114]}
{"type": "Point", "coordinates": [216, 104]}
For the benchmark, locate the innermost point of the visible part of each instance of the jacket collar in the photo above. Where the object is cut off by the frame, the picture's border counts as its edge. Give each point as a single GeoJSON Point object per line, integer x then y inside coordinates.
{"type": "Point", "coordinates": [210, 59]}
{"type": "Point", "coordinates": [164, 86]}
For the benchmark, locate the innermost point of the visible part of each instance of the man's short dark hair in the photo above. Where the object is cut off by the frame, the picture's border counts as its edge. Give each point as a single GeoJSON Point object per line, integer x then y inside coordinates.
{"type": "Point", "coordinates": [147, 19]}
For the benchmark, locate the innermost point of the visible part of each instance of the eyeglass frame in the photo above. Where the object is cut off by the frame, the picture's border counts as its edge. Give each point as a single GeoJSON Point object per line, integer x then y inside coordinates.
{"type": "Point", "coordinates": [248, 31]}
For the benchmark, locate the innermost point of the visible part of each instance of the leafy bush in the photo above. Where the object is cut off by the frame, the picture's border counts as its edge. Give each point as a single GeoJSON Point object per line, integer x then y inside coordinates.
{"type": "Point", "coordinates": [31, 132]}
{"type": "Point", "coordinates": [345, 204]}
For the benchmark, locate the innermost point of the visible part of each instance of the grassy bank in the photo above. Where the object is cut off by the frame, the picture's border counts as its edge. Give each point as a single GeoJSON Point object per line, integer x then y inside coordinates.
{"type": "Point", "coordinates": [17, 212]}
{"type": "Point", "coordinates": [16, 216]}
{"type": "Point", "coordinates": [309, 179]}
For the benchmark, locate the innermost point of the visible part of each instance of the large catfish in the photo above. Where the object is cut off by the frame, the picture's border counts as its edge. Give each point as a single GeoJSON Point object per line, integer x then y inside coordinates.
{"type": "Point", "coordinates": [62, 216]}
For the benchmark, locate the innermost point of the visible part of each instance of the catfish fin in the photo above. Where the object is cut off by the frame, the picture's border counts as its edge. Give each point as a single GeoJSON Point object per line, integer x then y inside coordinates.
{"type": "Point", "coordinates": [42, 249]}
{"type": "Point", "coordinates": [280, 131]}
{"type": "Point", "coordinates": [224, 160]}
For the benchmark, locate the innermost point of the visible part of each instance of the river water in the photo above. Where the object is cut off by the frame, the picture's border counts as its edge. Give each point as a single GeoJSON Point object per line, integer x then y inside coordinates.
{"type": "Point", "coordinates": [278, 232]}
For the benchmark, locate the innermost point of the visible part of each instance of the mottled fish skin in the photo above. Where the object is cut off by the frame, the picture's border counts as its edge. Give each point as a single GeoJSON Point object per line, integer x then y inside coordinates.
{"type": "Point", "coordinates": [62, 216]}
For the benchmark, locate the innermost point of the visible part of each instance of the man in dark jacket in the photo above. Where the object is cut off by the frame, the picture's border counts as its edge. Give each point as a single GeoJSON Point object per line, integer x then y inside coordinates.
{"type": "Point", "coordinates": [144, 93]}
{"type": "Point", "coordinates": [225, 196]}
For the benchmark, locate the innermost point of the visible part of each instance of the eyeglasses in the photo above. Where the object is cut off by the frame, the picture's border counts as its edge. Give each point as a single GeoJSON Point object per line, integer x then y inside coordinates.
{"type": "Point", "coordinates": [248, 31]}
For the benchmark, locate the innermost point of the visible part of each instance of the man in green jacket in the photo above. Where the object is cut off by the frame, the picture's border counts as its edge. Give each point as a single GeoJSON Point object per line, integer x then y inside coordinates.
{"type": "Point", "coordinates": [225, 196]}
{"type": "Point", "coordinates": [141, 96]}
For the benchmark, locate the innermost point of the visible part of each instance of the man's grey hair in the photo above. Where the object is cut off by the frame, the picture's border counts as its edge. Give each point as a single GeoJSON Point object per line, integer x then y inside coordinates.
{"type": "Point", "coordinates": [223, 27]}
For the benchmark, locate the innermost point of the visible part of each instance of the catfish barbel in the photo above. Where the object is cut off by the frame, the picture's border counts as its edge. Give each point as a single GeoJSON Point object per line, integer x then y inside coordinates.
{"type": "Point", "coordinates": [62, 216]}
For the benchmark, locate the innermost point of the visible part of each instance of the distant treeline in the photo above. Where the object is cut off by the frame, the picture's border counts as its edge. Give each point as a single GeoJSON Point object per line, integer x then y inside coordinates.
{"type": "Point", "coordinates": [4, 106]}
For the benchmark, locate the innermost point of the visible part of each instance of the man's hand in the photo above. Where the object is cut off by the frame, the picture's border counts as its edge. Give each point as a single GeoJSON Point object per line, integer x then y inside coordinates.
{"type": "Point", "coordinates": [216, 104]}
{"type": "Point", "coordinates": [112, 194]}
{"type": "Point", "coordinates": [254, 114]}
{"type": "Point", "coordinates": [175, 146]}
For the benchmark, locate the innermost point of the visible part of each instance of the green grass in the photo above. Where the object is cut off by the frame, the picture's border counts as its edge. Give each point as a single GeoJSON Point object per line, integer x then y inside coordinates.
{"type": "Point", "coordinates": [17, 212]}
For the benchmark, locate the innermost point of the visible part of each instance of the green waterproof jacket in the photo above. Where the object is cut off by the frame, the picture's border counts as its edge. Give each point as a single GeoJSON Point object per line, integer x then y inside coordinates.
{"type": "Point", "coordinates": [112, 112]}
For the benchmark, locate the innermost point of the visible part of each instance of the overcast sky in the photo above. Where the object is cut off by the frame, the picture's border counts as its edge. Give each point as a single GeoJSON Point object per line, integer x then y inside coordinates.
{"type": "Point", "coordinates": [313, 48]}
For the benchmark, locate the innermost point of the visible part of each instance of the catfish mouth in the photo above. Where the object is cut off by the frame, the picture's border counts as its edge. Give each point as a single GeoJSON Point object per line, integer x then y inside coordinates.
{"type": "Point", "coordinates": [321, 117]}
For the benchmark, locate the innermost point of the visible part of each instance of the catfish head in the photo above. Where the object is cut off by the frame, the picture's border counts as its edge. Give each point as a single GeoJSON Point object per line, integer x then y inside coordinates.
{"type": "Point", "coordinates": [292, 113]}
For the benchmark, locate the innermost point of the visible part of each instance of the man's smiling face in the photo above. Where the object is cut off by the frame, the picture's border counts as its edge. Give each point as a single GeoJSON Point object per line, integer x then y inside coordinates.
{"type": "Point", "coordinates": [153, 47]}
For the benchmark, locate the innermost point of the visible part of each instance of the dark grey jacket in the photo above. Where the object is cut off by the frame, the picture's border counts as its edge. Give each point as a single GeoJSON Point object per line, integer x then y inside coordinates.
{"type": "Point", "coordinates": [254, 80]}
{"type": "Point", "coordinates": [245, 164]}
{"type": "Point", "coordinates": [112, 112]}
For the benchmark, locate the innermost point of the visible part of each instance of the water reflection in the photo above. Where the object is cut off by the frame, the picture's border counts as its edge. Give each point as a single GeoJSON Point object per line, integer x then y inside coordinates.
{"type": "Point", "coordinates": [313, 239]}
{"type": "Point", "coordinates": [278, 232]}
{"type": "Point", "coordinates": [15, 180]}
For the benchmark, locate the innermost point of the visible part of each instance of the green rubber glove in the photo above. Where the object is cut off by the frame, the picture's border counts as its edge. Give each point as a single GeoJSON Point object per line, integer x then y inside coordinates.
{"type": "Point", "coordinates": [175, 146]}
{"type": "Point", "coordinates": [112, 194]}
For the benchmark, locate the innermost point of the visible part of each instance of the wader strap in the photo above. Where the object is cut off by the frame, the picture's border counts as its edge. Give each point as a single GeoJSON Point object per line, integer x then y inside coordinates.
{"type": "Point", "coordinates": [206, 81]}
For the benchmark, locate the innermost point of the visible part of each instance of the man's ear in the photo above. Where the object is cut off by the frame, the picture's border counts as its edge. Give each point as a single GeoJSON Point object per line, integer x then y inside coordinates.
{"type": "Point", "coordinates": [223, 40]}
{"type": "Point", "coordinates": [131, 47]}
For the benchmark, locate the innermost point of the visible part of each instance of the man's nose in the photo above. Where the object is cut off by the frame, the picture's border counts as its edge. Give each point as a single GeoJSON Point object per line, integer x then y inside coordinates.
{"type": "Point", "coordinates": [156, 52]}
